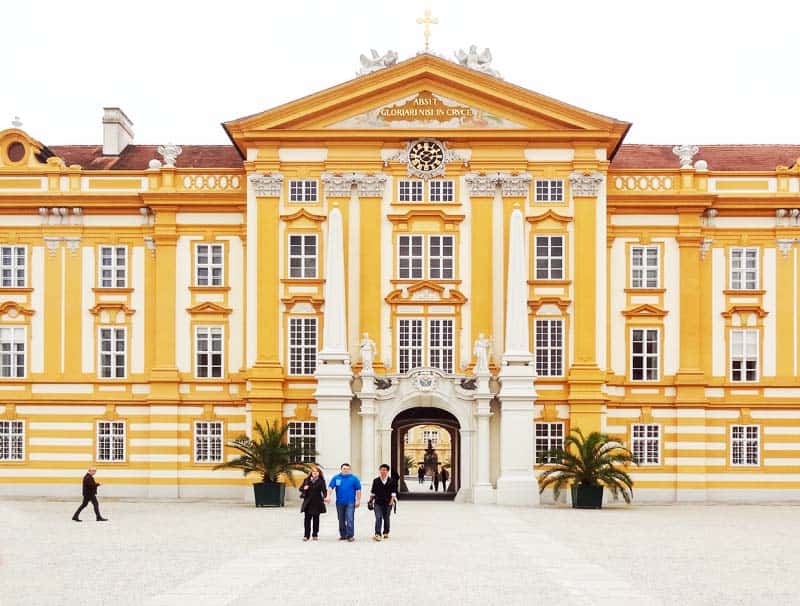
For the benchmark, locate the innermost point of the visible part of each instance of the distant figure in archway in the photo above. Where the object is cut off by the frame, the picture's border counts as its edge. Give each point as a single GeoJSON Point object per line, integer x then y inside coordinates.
{"type": "Point", "coordinates": [445, 476]}
{"type": "Point", "coordinates": [436, 477]}
{"type": "Point", "coordinates": [421, 473]}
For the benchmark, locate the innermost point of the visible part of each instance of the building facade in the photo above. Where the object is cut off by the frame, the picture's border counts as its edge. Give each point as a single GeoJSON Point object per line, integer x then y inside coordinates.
{"type": "Point", "coordinates": [423, 244]}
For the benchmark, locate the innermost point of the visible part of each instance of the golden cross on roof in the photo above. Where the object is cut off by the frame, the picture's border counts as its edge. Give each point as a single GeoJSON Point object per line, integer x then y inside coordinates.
{"type": "Point", "coordinates": [428, 21]}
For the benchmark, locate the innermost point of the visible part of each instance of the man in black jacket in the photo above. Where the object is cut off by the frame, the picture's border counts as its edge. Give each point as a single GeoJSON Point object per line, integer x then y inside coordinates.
{"type": "Point", "coordinates": [90, 496]}
{"type": "Point", "coordinates": [383, 496]}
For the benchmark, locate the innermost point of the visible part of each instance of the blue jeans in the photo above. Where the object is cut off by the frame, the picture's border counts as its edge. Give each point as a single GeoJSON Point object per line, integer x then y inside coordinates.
{"type": "Point", "coordinates": [346, 513]}
{"type": "Point", "coordinates": [382, 515]}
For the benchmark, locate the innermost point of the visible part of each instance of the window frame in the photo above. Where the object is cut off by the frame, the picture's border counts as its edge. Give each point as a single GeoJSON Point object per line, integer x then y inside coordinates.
{"type": "Point", "coordinates": [432, 435]}
{"type": "Point", "coordinates": [213, 329]}
{"type": "Point", "coordinates": [549, 348]}
{"type": "Point", "coordinates": [114, 267]}
{"type": "Point", "coordinates": [411, 257]}
{"type": "Point", "coordinates": [442, 258]}
{"type": "Point", "coordinates": [551, 182]}
{"type": "Point", "coordinates": [412, 187]}
{"type": "Point", "coordinates": [549, 257]}
{"type": "Point", "coordinates": [442, 348]}
{"type": "Point", "coordinates": [645, 440]}
{"type": "Point", "coordinates": [304, 191]}
{"type": "Point", "coordinates": [112, 352]}
{"type": "Point", "coordinates": [644, 267]}
{"type": "Point", "coordinates": [303, 256]}
{"type": "Point", "coordinates": [411, 347]}
{"type": "Point", "coordinates": [743, 270]}
{"type": "Point", "coordinates": [209, 265]}
{"type": "Point", "coordinates": [14, 265]}
{"type": "Point", "coordinates": [307, 441]}
{"type": "Point", "coordinates": [444, 185]}
{"type": "Point", "coordinates": [744, 357]}
{"type": "Point", "coordinates": [744, 439]}
{"type": "Point", "coordinates": [10, 435]}
{"type": "Point", "coordinates": [645, 354]}
{"type": "Point", "coordinates": [209, 439]}
{"type": "Point", "coordinates": [121, 439]}
{"type": "Point", "coordinates": [13, 353]}
{"type": "Point", "coordinates": [306, 360]}
{"type": "Point", "coordinates": [549, 439]}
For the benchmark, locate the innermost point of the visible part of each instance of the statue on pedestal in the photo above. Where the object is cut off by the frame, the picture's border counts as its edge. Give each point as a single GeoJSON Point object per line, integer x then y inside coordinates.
{"type": "Point", "coordinates": [367, 353]}
{"type": "Point", "coordinates": [481, 351]}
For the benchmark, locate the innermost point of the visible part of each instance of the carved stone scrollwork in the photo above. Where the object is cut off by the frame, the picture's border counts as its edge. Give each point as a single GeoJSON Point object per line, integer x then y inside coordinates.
{"type": "Point", "coordinates": [705, 246]}
{"type": "Point", "coordinates": [685, 154]}
{"type": "Point", "coordinates": [267, 185]}
{"type": "Point", "coordinates": [586, 185]}
{"type": "Point", "coordinates": [785, 246]}
{"type": "Point", "coordinates": [514, 185]}
{"type": "Point", "coordinates": [450, 155]}
{"type": "Point", "coordinates": [170, 153]}
{"type": "Point", "coordinates": [510, 185]}
{"type": "Point", "coordinates": [371, 186]}
{"type": "Point", "coordinates": [481, 185]}
{"type": "Point", "coordinates": [338, 186]}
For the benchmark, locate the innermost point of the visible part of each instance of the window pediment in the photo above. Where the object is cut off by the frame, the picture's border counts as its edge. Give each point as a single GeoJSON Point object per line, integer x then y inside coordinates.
{"type": "Point", "coordinates": [645, 310]}
{"type": "Point", "coordinates": [14, 310]}
{"type": "Point", "coordinates": [208, 307]}
{"type": "Point", "coordinates": [303, 218]}
{"type": "Point", "coordinates": [426, 292]}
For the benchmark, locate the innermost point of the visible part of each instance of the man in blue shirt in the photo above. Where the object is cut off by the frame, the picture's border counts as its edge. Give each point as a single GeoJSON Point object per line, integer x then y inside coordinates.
{"type": "Point", "coordinates": [348, 496]}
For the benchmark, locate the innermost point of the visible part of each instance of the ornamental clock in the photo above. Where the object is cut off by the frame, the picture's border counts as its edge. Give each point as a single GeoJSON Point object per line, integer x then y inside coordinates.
{"type": "Point", "coordinates": [426, 157]}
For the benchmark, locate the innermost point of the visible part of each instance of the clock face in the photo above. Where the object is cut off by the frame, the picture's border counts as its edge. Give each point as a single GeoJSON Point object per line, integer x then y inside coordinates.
{"type": "Point", "coordinates": [426, 156]}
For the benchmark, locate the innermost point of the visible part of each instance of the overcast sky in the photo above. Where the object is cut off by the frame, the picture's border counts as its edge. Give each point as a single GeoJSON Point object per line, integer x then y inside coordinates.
{"type": "Point", "coordinates": [682, 71]}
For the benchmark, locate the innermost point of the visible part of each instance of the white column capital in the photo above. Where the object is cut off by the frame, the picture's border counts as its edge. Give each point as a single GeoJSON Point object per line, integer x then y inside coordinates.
{"type": "Point", "coordinates": [586, 185]}
{"type": "Point", "coordinates": [341, 185]}
{"type": "Point", "coordinates": [267, 185]}
{"type": "Point", "coordinates": [487, 184]}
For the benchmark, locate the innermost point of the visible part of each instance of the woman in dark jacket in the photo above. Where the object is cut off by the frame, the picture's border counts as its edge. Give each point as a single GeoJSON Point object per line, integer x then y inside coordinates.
{"type": "Point", "coordinates": [313, 492]}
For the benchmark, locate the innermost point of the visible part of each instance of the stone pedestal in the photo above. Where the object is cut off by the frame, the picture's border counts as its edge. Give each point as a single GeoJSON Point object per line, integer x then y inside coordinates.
{"type": "Point", "coordinates": [483, 491]}
{"type": "Point", "coordinates": [333, 397]}
{"type": "Point", "coordinates": [368, 412]}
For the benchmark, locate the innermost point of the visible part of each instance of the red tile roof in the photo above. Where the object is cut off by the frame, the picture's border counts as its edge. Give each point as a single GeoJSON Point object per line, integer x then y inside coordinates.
{"type": "Point", "coordinates": [137, 157]}
{"type": "Point", "coordinates": [719, 157]}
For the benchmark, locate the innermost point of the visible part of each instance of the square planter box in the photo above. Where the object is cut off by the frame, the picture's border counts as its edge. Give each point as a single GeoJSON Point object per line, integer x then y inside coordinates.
{"type": "Point", "coordinates": [269, 494]}
{"type": "Point", "coordinates": [587, 497]}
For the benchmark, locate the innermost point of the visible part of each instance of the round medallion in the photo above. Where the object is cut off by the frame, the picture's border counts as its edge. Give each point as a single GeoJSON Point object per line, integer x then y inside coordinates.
{"type": "Point", "coordinates": [426, 156]}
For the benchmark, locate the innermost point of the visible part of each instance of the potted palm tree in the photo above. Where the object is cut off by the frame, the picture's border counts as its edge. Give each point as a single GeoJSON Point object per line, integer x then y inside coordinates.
{"type": "Point", "coordinates": [586, 465]}
{"type": "Point", "coordinates": [271, 456]}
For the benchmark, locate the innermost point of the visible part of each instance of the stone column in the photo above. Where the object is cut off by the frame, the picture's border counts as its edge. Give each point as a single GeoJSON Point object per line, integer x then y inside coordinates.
{"type": "Point", "coordinates": [585, 377]}
{"type": "Point", "coordinates": [483, 491]}
{"type": "Point", "coordinates": [266, 376]}
{"type": "Point", "coordinates": [517, 483]}
{"type": "Point", "coordinates": [466, 489]}
{"type": "Point", "coordinates": [385, 454]}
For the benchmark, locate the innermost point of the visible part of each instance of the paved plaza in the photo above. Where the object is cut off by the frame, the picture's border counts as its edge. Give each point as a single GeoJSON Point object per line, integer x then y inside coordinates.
{"type": "Point", "coordinates": [174, 553]}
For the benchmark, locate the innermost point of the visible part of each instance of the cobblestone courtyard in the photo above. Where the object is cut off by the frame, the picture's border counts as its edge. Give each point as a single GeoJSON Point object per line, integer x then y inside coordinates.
{"type": "Point", "coordinates": [159, 553]}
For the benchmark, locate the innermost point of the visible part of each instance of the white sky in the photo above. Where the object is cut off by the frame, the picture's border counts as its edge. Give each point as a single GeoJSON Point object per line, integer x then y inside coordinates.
{"type": "Point", "coordinates": [702, 71]}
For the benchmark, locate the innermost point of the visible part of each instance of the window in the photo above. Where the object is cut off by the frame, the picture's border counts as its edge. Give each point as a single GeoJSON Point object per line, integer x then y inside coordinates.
{"type": "Point", "coordinates": [208, 264]}
{"type": "Point", "coordinates": [549, 348]}
{"type": "Point", "coordinates": [548, 437]}
{"type": "Point", "coordinates": [113, 267]}
{"type": "Point", "coordinates": [112, 352]}
{"type": "Point", "coordinates": [208, 442]}
{"type": "Point", "coordinates": [440, 257]}
{"type": "Point", "coordinates": [12, 266]}
{"type": "Point", "coordinates": [302, 346]}
{"type": "Point", "coordinates": [549, 257]}
{"type": "Point", "coordinates": [12, 440]}
{"type": "Point", "coordinates": [303, 434]}
{"type": "Point", "coordinates": [549, 190]}
{"type": "Point", "coordinates": [12, 352]}
{"type": "Point", "coordinates": [646, 443]}
{"type": "Point", "coordinates": [744, 355]}
{"type": "Point", "coordinates": [410, 257]}
{"type": "Point", "coordinates": [441, 191]}
{"type": "Point", "coordinates": [410, 344]}
{"type": "Point", "coordinates": [644, 354]}
{"type": "Point", "coordinates": [303, 256]}
{"type": "Point", "coordinates": [302, 190]}
{"type": "Point", "coordinates": [644, 267]}
{"type": "Point", "coordinates": [410, 190]}
{"type": "Point", "coordinates": [208, 352]}
{"type": "Point", "coordinates": [111, 441]}
{"type": "Point", "coordinates": [440, 350]}
{"type": "Point", "coordinates": [432, 435]}
{"type": "Point", "coordinates": [744, 268]}
{"type": "Point", "coordinates": [744, 445]}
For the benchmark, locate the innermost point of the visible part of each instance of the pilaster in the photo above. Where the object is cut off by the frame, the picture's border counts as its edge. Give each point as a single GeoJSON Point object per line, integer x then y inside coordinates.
{"type": "Point", "coordinates": [483, 491]}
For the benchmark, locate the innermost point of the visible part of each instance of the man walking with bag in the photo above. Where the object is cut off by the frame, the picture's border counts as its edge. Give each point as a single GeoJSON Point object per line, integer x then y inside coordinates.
{"type": "Point", "coordinates": [90, 496]}
{"type": "Point", "coordinates": [348, 496]}
{"type": "Point", "coordinates": [382, 498]}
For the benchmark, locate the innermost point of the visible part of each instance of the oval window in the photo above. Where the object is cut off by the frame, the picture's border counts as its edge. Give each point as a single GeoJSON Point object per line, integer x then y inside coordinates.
{"type": "Point", "coordinates": [15, 151]}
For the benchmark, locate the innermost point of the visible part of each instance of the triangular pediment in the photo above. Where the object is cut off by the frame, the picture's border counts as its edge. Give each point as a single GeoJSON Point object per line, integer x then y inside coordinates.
{"type": "Point", "coordinates": [645, 309]}
{"type": "Point", "coordinates": [421, 94]}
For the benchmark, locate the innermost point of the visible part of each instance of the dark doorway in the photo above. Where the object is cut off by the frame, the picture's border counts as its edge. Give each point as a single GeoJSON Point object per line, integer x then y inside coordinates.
{"type": "Point", "coordinates": [406, 422]}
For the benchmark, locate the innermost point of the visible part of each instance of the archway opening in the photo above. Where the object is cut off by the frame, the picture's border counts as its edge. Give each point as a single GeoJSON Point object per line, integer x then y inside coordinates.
{"type": "Point", "coordinates": [426, 452]}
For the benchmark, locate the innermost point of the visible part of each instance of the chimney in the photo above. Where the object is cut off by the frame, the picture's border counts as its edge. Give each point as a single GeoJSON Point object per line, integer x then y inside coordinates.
{"type": "Point", "coordinates": [117, 131]}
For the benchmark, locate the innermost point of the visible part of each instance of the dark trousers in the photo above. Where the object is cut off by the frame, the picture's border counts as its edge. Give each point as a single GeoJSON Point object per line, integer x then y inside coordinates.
{"type": "Point", "coordinates": [382, 515]}
{"type": "Point", "coordinates": [421, 479]}
{"type": "Point", "coordinates": [86, 501]}
{"type": "Point", "coordinates": [307, 522]}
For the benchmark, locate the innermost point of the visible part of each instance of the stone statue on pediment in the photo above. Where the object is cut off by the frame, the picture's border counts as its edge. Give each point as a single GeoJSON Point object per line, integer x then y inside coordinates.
{"type": "Point", "coordinates": [376, 62]}
{"type": "Point", "coordinates": [479, 61]}
{"type": "Point", "coordinates": [481, 351]}
{"type": "Point", "coordinates": [367, 353]}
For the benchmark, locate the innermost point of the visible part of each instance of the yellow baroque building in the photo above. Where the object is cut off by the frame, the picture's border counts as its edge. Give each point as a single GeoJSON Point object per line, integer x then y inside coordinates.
{"type": "Point", "coordinates": [424, 244]}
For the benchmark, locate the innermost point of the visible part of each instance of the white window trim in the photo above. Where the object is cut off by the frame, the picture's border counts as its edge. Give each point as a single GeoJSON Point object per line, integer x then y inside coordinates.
{"type": "Point", "coordinates": [441, 190]}
{"type": "Point", "coordinates": [549, 190]}
{"type": "Point", "coordinates": [113, 328]}
{"type": "Point", "coordinates": [432, 435]}
{"type": "Point", "coordinates": [209, 438]}
{"type": "Point", "coordinates": [124, 458]}
{"type": "Point", "coordinates": [645, 247]}
{"type": "Point", "coordinates": [210, 351]}
{"type": "Point", "coordinates": [550, 437]}
{"type": "Point", "coordinates": [644, 441]}
{"type": "Point", "coordinates": [304, 188]}
{"type": "Point", "coordinates": [13, 354]}
{"type": "Point", "coordinates": [758, 356]}
{"type": "Point", "coordinates": [744, 440]}
{"type": "Point", "coordinates": [646, 355]}
{"type": "Point", "coordinates": [424, 256]}
{"type": "Point", "coordinates": [291, 433]}
{"type": "Point", "coordinates": [302, 256]}
{"type": "Point", "coordinates": [549, 348]}
{"type": "Point", "coordinates": [210, 265]}
{"type": "Point", "coordinates": [422, 191]}
{"type": "Point", "coordinates": [114, 267]}
{"type": "Point", "coordinates": [549, 256]}
{"type": "Point", "coordinates": [743, 285]}
{"type": "Point", "coordinates": [14, 267]}
{"type": "Point", "coordinates": [422, 343]}
{"type": "Point", "coordinates": [23, 435]}
{"type": "Point", "coordinates": [427, 347]}
{"type": "Point", "coordinates": [302, 347]}
{"type": "Point", "coordinates": [427, 256]}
